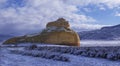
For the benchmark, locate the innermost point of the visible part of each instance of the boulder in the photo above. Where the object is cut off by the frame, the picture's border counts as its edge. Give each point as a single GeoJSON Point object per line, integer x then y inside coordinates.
{"type": "Point", "coordinates": [56, 32]}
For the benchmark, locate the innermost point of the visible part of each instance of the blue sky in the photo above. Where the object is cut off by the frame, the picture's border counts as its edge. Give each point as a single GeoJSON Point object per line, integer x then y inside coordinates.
{"type": "Point", "coordinates": [27, 16]}
{"type": "Point", "coordinates": [106, 16]}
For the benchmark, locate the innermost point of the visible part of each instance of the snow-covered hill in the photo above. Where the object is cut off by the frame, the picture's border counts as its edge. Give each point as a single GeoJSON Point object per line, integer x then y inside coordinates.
{"type": "Point", "coordinates": [105, 33]}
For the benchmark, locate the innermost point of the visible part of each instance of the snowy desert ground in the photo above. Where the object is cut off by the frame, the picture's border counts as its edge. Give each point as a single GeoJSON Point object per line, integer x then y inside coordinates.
{"type": "Point", "coordinates": [100, 43]}
{"type": "Point", "coordinates": [51, 55]}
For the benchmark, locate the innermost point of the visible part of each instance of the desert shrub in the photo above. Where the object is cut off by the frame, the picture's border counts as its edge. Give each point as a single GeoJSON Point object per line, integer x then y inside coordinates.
{"type": "Point", "coordinates": [43, 54]}
{"type": "Point", "coordinates": [32, 47]}
{"type": "Point", "coordinates": [113, 56]}
{"type": "Point", "coordinates": [78, 52]}
{"type": "Point", "coordinates": [111, 53]}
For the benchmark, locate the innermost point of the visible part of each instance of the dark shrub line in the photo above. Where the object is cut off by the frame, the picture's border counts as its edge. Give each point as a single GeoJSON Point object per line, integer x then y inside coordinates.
{"type": "Point", "coordinates": [112, 53]}
{"type": "Point", "coordinates": [46, 55]}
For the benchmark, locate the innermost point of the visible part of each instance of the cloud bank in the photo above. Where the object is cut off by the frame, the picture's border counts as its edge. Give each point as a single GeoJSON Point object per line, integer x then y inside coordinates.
{"type": "Point", "coordinates": [27, 16]}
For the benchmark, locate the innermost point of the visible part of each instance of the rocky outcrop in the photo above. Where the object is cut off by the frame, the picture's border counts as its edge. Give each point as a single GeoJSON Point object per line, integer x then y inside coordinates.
{"type": "Point", "coordinates": [59, 23]}
{"type": "Point", "coordinates": [56, 32]}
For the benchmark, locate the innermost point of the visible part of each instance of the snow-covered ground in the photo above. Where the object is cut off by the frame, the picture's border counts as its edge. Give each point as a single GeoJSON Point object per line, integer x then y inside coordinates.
{"type": "Point", "coordinates": [84, 43]}
{"type": "Point", "coordinates": [11, 59]}
{"type": "Point", "coordinates": [99, 43]}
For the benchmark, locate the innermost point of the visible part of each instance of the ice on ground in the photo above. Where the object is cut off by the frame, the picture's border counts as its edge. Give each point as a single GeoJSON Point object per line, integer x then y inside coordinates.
{"type": "Point", "coordinates": [99, 43]}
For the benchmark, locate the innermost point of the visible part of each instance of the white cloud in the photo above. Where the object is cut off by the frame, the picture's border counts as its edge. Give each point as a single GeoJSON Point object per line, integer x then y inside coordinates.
{"type": "Point", "coordinates": [2, 1]}
{"type": "Point", "coordinates": [108, 3]}
{"type": "Point", "coordinates": [86, 27]}
{"type": "Point", "coordinates": [83, 27]}
{"type": "Point", "coordinates": [36, 13]}
{"type": "Point", "coordinates": [117, 14]}
{"type": "Point", "coordinates": [87, 9]}
{"type": "Point", "coordinates": [102, 8]}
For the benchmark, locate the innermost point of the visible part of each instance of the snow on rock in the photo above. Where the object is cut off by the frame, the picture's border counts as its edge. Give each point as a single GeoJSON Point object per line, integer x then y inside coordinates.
{"type": "Point", "coordinates": [53, 28]}
{"type": "Point", "coordinates": [31, 35]}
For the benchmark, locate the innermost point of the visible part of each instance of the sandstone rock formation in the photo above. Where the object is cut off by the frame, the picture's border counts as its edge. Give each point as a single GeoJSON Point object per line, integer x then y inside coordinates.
{"type": "Point", "coordinates": [59, 23]}
{"type": "Point", "coordinates": [56, 32]}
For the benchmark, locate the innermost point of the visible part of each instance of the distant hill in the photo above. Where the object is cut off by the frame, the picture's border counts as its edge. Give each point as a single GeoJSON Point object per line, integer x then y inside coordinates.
{"type": "Point", "coordinates": [105, 33]}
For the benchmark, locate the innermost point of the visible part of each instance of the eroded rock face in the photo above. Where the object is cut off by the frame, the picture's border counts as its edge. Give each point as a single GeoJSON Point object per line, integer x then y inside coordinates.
{"type": "Point", "coordinates": [56, 32]}
{"type": "Point", "coordinates": [58, 23]}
